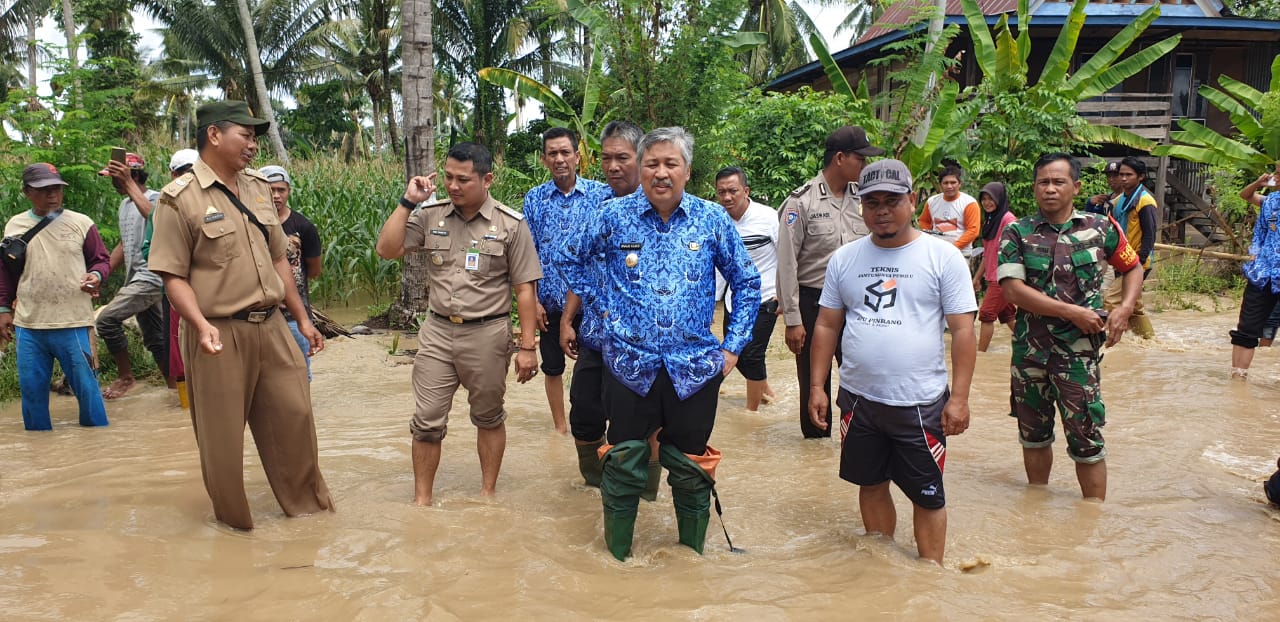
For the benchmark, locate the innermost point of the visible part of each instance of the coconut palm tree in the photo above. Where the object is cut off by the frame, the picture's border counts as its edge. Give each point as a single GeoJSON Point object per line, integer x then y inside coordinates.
{"type": "Point", "coordinates": [787, 25]}
{"type": "Point", "coordinates": [364, 50]}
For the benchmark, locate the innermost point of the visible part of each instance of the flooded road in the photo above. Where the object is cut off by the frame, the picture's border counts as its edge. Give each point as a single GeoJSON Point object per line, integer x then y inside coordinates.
{"type": "Point", "coordinates": [113, 524]}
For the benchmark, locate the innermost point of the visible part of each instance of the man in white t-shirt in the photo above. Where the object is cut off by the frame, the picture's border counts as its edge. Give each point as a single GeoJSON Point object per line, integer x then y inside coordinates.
{"type": "Point", "coordinates": [953, 215]}
{"type": "Point", "coordinates": [757, 224]}
{"type": "Point", "coordinates": [895, 291]}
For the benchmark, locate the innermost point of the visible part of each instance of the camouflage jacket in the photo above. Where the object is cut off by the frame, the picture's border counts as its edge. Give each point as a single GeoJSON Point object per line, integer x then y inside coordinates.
{"type": "Point", "coordinates": [1065, 262]}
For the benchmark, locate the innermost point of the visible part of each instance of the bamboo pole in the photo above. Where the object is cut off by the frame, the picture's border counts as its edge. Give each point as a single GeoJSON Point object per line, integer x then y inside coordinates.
{"type": "Point", "coordinates": [1201, 252]}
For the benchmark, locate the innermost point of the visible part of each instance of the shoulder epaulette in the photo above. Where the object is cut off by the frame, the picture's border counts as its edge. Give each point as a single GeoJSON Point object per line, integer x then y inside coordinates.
{"type": "Point", "coordinates": [435, 203]}
{"type": "Point", "coordinates": [510, 212]}
{"type": "Point", "coordinates": [175, 187]}
{"type": "Point", "coordinates": [798, 192]}
{"type": "Point", "coordinates": [254, 173]}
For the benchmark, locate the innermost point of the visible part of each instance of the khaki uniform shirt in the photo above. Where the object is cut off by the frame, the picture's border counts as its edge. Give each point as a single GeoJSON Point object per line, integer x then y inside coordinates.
{"type": "Point", "coordinates": [813, 224]}
{"type": "Point", "coordinates": [472, 265]}
{"type": "Point", "coordinates": [202, 237]}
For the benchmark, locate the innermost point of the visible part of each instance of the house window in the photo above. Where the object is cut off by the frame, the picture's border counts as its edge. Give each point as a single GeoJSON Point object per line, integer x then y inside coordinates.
{"type": "Point", "coordinates": [1185, 99]}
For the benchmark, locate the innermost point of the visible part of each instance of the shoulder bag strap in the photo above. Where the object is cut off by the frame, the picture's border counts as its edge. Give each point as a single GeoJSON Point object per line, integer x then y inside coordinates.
{"type": "Point", "coordinates": [244, 210]}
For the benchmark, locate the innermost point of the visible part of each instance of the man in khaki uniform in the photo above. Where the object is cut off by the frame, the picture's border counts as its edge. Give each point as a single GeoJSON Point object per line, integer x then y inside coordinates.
{"type": "Point", "coordinates": [478, 251]}
{"type": "Point", "coordinates": [220, 249]}
{"type": "Point", "coordinates": [815, 220]}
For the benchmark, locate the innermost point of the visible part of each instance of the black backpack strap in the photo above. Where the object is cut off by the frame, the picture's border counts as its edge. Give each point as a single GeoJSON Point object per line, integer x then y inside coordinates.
{"type": "Point", "coordinates": [235, 200]}
{"type": "Point", "coordinates": [31, 233]}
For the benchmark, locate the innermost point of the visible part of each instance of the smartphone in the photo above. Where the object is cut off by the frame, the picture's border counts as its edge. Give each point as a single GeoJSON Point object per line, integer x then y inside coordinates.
{"type": "Point", "coordinates": [117, 154]}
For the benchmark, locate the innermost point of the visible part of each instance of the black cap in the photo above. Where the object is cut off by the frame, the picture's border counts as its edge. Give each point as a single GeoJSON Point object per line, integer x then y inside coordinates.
{"type": "Point", "coordinates": [41, 175]}
{"type": "Point", "coordinates": [234, 111]}
{"type": "Point", "coordinates": [1112, 168]}
{"type": "Point", "coordinates": [852, 138]}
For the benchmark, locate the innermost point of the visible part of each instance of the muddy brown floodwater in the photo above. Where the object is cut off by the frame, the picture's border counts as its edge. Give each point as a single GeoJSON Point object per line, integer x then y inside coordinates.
{"type": "Point", "coordinates": [113, 524]}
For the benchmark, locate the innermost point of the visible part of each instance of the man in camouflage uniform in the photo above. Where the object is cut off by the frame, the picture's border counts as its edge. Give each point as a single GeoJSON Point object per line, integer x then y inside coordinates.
{"type": "Point", "coordinates": [1051, 266]}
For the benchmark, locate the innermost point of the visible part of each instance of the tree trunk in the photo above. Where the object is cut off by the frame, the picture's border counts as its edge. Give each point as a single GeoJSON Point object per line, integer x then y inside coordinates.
{"type": "Point", "coordinates": [69, 27]}
{"type": "Point", "coordinates": [259, 83]}
{"type": "Point", "coordinates": [32, 63]}
{"type": "Point", "coordinates": [419, 154]}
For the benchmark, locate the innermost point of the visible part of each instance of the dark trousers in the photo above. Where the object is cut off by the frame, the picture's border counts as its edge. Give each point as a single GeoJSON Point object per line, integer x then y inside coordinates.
{"type": "Point", "coordinates": [586, 396]}
{"type": "Point", "coordinates": [809, 317]}
{"type": "Point", "coordinates": [685, 423]}
{"type": "Point", "coordinates": [1255, 308]}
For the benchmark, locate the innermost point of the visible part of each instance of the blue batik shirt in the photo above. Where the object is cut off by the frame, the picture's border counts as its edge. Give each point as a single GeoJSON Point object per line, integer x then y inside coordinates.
{"type": "Point", "coordinates": [658, 288]}
{"type": "Point", "coordinates": [552, 216]}
{"type": "Point", "coordinates": [591, 330]}
{"type": "Point", "coordinates": [1263, 271]}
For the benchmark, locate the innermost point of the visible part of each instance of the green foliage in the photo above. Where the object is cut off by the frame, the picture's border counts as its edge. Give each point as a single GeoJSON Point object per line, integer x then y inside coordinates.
{"type": "Point", "coordinates": [1186, 281]}
{"type": "Point", "coordinates": [1257, 9]}
{"type": "Point", "coordinates": [348, 202]}
{"type": "Point", "coordinates": [323, 117]}
{"type": "Point", "coordinates": [778, 138]}
{"type": "Point", "coordinates": [1255, 115]}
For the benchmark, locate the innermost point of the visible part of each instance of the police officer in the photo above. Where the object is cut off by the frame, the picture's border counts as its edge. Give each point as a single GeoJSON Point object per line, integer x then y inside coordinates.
{"type": "Point", "coordinates": [220, 249]}
{"type": "Point", "coordinates": [815, 220]}
{"type": "Point", "coordinates": [479, 250]}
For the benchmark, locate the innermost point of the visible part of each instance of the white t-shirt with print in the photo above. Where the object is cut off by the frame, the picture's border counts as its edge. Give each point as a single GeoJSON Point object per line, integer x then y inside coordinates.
{"type": "Point", "coordinates": [896, 301]}
{"type": "Point", "coordinates": [759, 232]}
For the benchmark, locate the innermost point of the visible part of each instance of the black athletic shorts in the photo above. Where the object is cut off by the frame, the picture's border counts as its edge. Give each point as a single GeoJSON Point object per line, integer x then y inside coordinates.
{"type": "Point", "coordinates": [900, 443]}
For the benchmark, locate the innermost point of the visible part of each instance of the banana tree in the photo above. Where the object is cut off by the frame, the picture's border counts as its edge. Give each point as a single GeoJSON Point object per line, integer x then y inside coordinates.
{"type": "Point", "coordinates": [555, 107]}
{"type": "Point", "coordinates": [1003, 61]}
{"type": "Point", "coordinates": [1255, 115]}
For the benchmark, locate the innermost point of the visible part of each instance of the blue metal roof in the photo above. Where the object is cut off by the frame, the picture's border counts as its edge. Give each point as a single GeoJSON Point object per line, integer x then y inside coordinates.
{"type": "Point", "coordinates": [1038, 21]}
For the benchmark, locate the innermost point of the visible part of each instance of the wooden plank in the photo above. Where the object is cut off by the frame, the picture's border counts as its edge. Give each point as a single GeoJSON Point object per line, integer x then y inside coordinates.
{"type": "Point", "coordinates": [1187, 193]}
{"type": "Point", "coordinates": [1160, 107]}
{"type": "Point", "coordinates": [1127, 121]}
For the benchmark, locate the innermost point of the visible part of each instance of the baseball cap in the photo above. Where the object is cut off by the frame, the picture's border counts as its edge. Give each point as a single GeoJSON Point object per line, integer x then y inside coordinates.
{"type": "Point", "coordinates": [885, 176]}
{"type": "Point", "coordinates": [234, 111]}
{"type": "Point", "coordinates": [181, 158]}
{"type": "Point", "coordinates": [131, 160]}
{"type": "Point", "coordinates": [1112, 168]}
{"type": "Point", "coordinates": [852, 138]}
{"type": "Point", "coordinates": [275, 173]}
{"type": "Point", "coordinates": [41, 175]}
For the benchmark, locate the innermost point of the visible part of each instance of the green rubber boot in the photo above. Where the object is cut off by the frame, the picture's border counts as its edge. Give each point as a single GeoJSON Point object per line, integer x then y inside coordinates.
{"type": "Point", "coordinates": [691, 495]}
{"type": "Point", "coordinates": [650, 493]}
{"type": "Point", "coordinates": [623, 477]}
{"type": "Point", "coordinates": [589, 462]}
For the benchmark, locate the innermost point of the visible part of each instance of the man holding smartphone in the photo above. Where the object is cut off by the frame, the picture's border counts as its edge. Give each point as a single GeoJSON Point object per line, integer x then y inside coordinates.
{"type": "Point", "coordinates": [143, 289]}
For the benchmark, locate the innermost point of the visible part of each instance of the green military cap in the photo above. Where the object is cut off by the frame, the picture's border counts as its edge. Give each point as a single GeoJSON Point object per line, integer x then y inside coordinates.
{"type": "Point", "coordinates": [234, 111]}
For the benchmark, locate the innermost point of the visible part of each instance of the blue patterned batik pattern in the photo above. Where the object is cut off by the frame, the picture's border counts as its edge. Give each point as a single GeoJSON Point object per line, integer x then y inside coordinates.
{"type": "Point", "coordinates": [656, 289]}
{"type": "Point", "coordinates": [1264, 269]}
{"type": "Point", "coordinates": [554, 217]}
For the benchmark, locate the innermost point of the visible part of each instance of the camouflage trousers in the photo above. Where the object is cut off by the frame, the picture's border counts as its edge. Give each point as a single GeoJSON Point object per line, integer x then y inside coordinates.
{"type": "Point", "coordinates": [1069, 381]}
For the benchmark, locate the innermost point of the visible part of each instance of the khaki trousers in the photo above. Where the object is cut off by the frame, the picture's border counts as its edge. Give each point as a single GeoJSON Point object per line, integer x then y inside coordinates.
{"type": "Point", "coordinates": [259, 378]}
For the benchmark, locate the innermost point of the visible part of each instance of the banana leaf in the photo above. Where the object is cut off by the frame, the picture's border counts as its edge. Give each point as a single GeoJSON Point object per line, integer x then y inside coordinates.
{"type": "Point", "coordinates": [1055, 69]}
{"type": "Point", "coordinates": [528, 87]}
{"type": "Point", "coordinates": [1275, 73]}
{"type": "Point", "coordinates": [745, 40]}
{"type": "Point", "coordinates": [839, 83]}
{"type": "Point", "coordinates": [1202, 155]}
{"type": "Point", "coordinates": [1194, 133]}
{"type": "Point", "coordinates": [1111, 135]}
{"type": "Point", "coordinates": [1008, 57]}
{"type": "Point", "coordinates": [984, 50]}
{"type": "Point", "coordinates": [1086, 76]}
{"type": "Point", "coordinates": [1121, 71]}
{"type": "Point", "coordinates": [1240, 115]}
{"type": "Point", "coordinates": [1024, 30]}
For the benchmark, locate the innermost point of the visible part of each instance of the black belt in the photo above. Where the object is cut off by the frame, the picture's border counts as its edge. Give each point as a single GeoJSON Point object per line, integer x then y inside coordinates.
{"type": "Point", "coordinates": [457, 319]}
{"type": "Point", "coordinates": [254, 316]}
